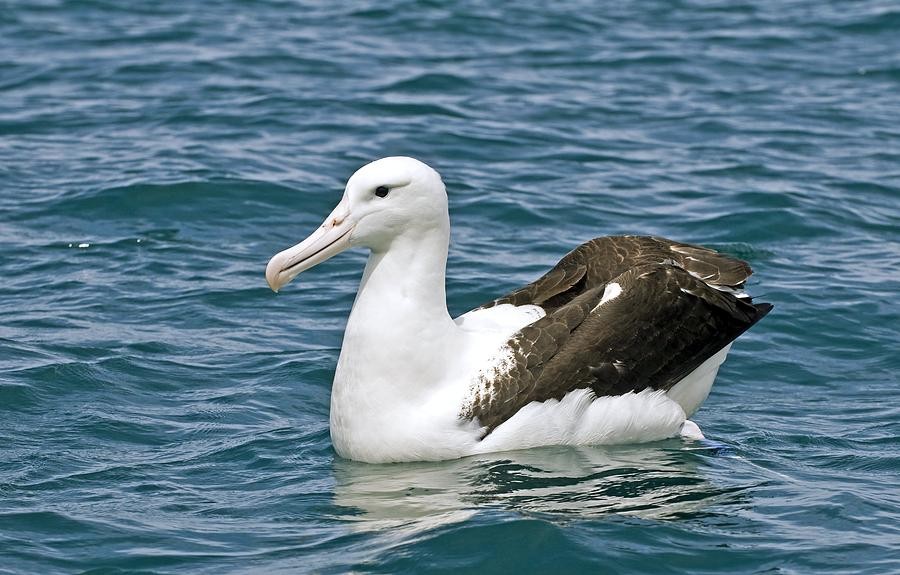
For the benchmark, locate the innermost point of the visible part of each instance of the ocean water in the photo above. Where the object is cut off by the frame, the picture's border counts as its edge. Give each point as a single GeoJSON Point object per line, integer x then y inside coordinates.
{"type": "Point", "coordinates": [162, 411]}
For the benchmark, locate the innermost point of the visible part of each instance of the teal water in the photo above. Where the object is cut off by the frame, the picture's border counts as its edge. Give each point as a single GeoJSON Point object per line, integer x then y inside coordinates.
{"type": "Point", "coordinates": [161, 411]}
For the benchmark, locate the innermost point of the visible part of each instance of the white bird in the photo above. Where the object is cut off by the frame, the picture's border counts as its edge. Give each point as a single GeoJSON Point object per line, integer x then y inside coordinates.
{"type": "Point", "coordinates": [619, 343]}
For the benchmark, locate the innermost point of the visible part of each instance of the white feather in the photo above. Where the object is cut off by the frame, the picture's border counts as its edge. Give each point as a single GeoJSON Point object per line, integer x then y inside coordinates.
{"type": "Point", "coordinates": [406, 368]}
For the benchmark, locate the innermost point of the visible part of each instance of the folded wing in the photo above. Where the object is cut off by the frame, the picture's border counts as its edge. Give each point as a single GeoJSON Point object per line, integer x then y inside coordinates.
{"type": "Point", "coordinates": [623, 314]}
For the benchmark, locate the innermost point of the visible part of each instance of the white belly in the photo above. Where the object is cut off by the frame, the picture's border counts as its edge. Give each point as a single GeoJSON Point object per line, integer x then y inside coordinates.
{"type": "Point", "coordinates": [580, 418]}
{"type": "Point", "coordinates": [373, 420]}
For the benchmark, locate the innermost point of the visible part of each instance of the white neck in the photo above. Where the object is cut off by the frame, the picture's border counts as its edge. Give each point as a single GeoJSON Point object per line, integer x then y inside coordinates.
{"type": "Point", "coordinates": [399, 324]}
{"type": "Point", "coordinates": [399, 338]}
{"type": "Point", "coordinates": [406, 283]}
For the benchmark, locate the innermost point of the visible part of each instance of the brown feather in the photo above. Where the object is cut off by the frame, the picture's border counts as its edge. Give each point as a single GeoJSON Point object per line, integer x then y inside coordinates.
{"type": "Point", "coordinates": [598, 261]}
{"type": "Point", "coordinates": [667, 320]}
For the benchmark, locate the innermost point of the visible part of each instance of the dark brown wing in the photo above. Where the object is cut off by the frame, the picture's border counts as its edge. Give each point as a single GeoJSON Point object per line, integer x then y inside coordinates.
{"type": "Point", "coordinates": [598, 261]}
{"type": "Point", "coordinates": [663, 324]}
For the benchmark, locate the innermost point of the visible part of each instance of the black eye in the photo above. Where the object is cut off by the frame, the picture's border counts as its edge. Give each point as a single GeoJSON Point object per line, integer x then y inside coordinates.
{"type": "Point", "coordinates": [381, 191]}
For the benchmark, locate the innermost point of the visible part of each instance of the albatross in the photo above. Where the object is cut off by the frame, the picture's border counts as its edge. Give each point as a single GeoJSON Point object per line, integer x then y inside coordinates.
{"type": "Point", "coordinates": [619, 343]}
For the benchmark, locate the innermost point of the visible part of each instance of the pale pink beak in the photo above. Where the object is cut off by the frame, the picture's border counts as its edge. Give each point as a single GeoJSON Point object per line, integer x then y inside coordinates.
{"type": "Point", "coordinates": [331, 238]}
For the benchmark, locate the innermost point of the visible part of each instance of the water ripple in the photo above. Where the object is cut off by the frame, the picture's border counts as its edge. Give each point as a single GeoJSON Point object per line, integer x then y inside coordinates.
{"type": "Point", "coordinates": [163, 412]}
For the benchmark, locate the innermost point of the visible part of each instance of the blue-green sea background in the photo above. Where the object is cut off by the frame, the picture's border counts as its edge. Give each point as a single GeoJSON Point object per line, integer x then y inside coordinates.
{"type": "Point", "coordinates": [162, 411]}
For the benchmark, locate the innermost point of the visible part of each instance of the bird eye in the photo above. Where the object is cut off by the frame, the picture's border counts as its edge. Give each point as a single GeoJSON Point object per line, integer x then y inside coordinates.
{"type": "Point", "coordinates": [382, 191]}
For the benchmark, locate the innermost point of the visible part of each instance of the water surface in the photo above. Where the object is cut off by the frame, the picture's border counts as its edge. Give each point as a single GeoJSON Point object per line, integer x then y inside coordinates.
{"type": "Point", "coordinates": [161, 411]}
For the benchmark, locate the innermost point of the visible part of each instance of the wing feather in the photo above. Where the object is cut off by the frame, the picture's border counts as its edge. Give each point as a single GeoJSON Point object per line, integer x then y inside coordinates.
{"type": "Point", "coordinates": [599, 261]}
{"type": "Point", "coordinates": [662, 325]}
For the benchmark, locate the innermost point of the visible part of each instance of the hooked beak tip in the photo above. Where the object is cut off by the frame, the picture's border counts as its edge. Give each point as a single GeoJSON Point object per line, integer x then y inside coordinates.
{"type": "Point", "coordinates": [273, 274]}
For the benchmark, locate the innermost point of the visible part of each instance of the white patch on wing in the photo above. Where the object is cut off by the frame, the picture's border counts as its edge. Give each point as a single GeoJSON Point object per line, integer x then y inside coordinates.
{"type": "Point", "coordinates": [488, 356]}
{"type": "Point", "coordinates": [739, 293]}
{"type": "Point", "coordinates": [611, 292]}
{"type": "Point", "coordinates": [481, 386]}
{"type": "Point", "coordinates": [730, 290]}
{"type": "Point", "coordinates": [700, 277]}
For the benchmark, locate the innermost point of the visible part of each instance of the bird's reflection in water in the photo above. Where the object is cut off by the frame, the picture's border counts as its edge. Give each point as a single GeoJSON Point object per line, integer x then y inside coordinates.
{"type": "Point", "coordinates": [659, 481]}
